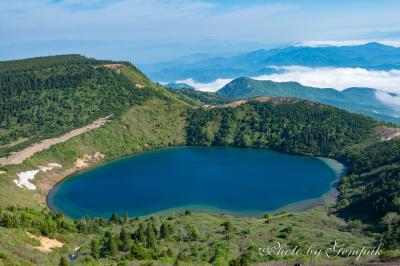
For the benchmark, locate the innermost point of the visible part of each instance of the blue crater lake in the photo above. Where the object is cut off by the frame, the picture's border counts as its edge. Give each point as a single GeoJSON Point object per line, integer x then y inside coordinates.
{"type": "Point", "coordinates": [228, 180]}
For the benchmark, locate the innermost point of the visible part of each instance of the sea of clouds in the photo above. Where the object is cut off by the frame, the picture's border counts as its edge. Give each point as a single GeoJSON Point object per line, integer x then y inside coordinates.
{"type": "Point", "coordinates": [338, 78]}
{"type": "Point", "coordinates": [211, 86]}
{"type": "Point", "coordinates": [327, 77]}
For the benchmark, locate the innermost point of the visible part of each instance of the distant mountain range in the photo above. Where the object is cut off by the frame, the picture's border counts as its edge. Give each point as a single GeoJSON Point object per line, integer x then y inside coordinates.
{"type": "Point", "coordinates": [359, 100]}
{"type": "Point", "coordinates": [369, 56]}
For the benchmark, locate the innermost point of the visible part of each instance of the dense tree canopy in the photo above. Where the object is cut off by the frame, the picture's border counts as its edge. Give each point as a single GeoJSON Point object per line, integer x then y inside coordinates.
{"type": "Point", "coordinates": [371, 190]}
{"type": "Point", "coordinates": [291, 126]}
{"type": "Point", "coordinates": [201, 96]}
{"type": "Point", "coordinates": [46, 96]}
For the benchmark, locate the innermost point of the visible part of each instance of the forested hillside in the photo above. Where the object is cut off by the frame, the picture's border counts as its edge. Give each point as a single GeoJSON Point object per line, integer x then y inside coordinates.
{"type": "Point", "coordinates": [42, 97]}
{"type": "Point", "coordinates": [357, 100]}
{"type": "Point", "coordinates": [287, 125]}
{"type": "Point", "coordinates": [370, 192]}
{"type": "Point", "coordinates": [201, 97]}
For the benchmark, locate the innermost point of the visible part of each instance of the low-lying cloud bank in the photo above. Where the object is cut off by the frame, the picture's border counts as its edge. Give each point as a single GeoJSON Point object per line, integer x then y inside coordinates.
{"type": "Point", "coordinates": [389, 100]}
{"type": "Point", "coordinates": [338, 78]}
{"type": "Point", "coordinates": [342, 78]}
{"type": "Point", "coordinates": [212, 86]}
{"type": "Point", "coordinates": [327, 77]}
{"type": "Point", "coordinates": [320, 77]}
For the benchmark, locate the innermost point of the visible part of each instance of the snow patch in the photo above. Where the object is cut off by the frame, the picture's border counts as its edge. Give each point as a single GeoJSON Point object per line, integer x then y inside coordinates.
{"type": "Point", "coordinates": [24, 179]}
{"type": "Point", "coordinates": [27, 176]}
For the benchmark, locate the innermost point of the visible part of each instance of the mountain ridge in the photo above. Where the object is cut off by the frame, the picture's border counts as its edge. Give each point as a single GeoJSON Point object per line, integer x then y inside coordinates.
{"type": "Point", "coordinates": [372, 56]}
{"type": "Point", "coordinates": [354, 99]}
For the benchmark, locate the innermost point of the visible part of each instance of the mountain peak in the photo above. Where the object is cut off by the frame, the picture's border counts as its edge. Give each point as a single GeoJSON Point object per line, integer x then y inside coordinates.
{"type": "Point", "coordinates": [374, 44]}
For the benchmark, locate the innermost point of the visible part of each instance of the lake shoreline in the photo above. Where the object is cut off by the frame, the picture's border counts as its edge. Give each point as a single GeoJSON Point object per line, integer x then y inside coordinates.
{"type": "Point", "coordinates": [295, 206]}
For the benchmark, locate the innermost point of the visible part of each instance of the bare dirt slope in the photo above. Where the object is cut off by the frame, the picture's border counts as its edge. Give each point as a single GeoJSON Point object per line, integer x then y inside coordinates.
{"type": "Point", "coordinates": [19, 156]}
{"type": "Point", "coordinates": [387, 133]}
{"type": "Point", "coordinates": [46, 244]}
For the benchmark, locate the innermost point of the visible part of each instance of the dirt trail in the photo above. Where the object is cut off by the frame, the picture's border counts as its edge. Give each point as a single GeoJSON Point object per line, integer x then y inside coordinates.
{"type": "Point", "coordinates": [19, 156]}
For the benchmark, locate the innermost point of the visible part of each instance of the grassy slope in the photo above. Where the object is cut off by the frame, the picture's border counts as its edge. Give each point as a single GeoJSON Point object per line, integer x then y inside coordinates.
{"type": "Point", "coordinates": [17, 248]}
{"type": "Point", "coordinates": [305, 228]}
{"type": "Point", "coordinates": [153, 124]}
{"type": "Point", "coordinates": [78, 94]}
{"type": "Point", "coordinates": [142, 128]}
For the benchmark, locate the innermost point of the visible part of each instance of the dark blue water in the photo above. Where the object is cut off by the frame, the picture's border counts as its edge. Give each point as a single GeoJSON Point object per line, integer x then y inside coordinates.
{"type": "Point", "coordinates": [226, 179]}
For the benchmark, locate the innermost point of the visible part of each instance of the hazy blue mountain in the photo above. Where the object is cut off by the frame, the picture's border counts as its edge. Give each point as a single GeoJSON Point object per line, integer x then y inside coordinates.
{"type": "Point", "coordinates": [360, 100]}
{"type": "Point", "coordinates": [369, 56]}
{"type": "Point", "coordinates": [174, 85]}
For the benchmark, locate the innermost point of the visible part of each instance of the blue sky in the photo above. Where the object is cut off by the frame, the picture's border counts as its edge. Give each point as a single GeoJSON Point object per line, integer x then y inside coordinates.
{"type": "Point", "coordinates": [155, 30]}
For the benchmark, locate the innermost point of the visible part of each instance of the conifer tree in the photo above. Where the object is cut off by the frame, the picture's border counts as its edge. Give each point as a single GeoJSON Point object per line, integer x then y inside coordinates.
{"type": "Point", "coordinates": [94, 249]}
{"type": "Point", "coordinates": [64, 262]}
{"type": "Point", "coordinates": [150, 236]}
{"type": "Point", "coordinates": [125, 240]}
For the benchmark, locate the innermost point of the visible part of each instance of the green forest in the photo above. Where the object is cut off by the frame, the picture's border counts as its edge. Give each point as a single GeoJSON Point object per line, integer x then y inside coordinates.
{"type": "Point", "coordinates": [291, 126]}
{"type": "Point", "coordinates": [200, 97]}
{"type": "Point", "coordinates": [370, 191]}
{"type": "Point", "coordinates": [43, 97]}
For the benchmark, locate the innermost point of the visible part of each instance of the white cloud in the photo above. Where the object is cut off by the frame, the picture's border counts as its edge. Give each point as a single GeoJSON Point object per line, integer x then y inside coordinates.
{"type": "Point", "coordinates": [385, 82]}
{"type": "Point", "coordinates": [394, 43]}
{"type": "Point", "coordinates": [389, 100]}
{"type": "Point", "coordinates": [212, 86]}
{"type": "Point", "coordinates": [342, 78]}
{"type": "Point", "coordinates": [338, 78]}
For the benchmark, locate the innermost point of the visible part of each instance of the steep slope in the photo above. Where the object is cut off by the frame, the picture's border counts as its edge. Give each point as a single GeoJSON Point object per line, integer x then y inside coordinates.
{"type": "Point", "coordinates": [48, 96]}
{"type": "Point", "coordinates": [360, 100]}
{"type": "Point", "coordinates": [285, 124]}
{"type": "Point", "coordinates": [371, 190]}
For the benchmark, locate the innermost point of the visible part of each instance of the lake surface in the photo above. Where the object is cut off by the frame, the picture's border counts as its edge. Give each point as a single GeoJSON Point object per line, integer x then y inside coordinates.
{"type": "Point", "coordinates": [229, 180]}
